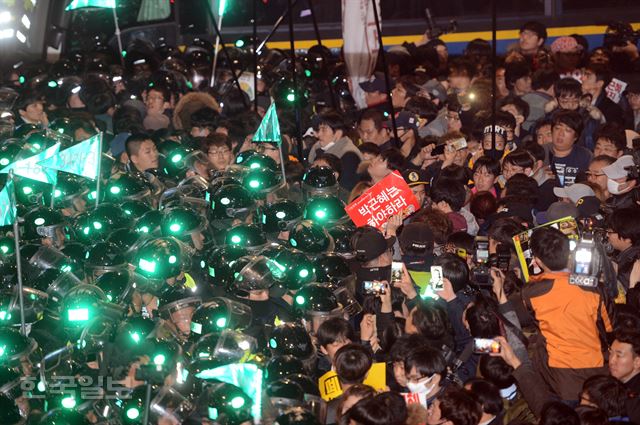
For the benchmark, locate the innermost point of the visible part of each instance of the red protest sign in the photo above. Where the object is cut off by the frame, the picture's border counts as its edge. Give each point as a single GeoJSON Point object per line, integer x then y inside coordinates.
{"type": "Point", "coordinates": [388, 197]}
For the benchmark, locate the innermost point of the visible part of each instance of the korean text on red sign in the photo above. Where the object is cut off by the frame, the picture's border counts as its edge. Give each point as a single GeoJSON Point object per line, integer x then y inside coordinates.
{"type": "Point", "coordinates": [388, 197]}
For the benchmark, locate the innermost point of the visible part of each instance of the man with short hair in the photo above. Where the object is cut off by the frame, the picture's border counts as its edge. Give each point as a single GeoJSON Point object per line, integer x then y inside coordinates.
{"type": "Point", "coordinates": [142, 152]}
{"type": "Point", "coordinates": [372, 130]}
{"type": "Point", "coordinates": [568, 317]}
{"type": "Point", "coordinates": [595, 79]}
{"type": "Point", "coordinates": [532, 37]}
{"type": "Point", "coordinates": [375, 91]}
{"type": "Point", "coordinates": [624, 364]}
{"type": "Point", "coordinates": [566, 159]}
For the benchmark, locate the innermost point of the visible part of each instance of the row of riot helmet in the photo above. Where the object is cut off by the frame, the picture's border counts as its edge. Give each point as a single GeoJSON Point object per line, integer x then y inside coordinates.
{"type": "Point", "coordinates": [169, 280]}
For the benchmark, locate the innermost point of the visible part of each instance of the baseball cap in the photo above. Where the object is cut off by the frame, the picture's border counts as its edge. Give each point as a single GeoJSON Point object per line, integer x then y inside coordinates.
{"type": "Point", "coordinates": [588, 206]}
{"type": "Point", "coordinates": [416, 238]}
{"type": "Point", "coordinates": [404, 119]}
{"type": "Point", "coordinates": [435, 90]}
{"type": "Point", "coordinates": [414, 177]}
{"type": "Point", "coordinates": [371, 244]}
{"type": "Point", "coordinates": [618, 170]}
{"type": "Point", "coordinates": [559, 210]}
{"type": "Point", "coordinates": [376, 83]}
{"type": "Point", "coordinates": [574, 192]}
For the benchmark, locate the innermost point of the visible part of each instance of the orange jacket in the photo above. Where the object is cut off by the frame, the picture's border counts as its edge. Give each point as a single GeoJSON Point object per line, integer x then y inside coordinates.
{"type": "Point", "coordinates": [567, 316]}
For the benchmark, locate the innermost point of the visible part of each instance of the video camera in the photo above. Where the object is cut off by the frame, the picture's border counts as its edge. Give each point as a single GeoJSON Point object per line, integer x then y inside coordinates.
{"type": "Point", "coordinates": [589, 253]}
{"type": "Point", "coordinates": [618, 34]}
{"type": "Point", "coordinates": [434, 31]}
{"type": "Point", "coordinates": [634, 170]}
{"type": "Point", "coordinates": [481, 275]}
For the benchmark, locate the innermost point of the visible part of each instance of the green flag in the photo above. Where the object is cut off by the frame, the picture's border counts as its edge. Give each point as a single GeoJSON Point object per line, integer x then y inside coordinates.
{"type": "Point", "coordinates": [269, 130]}
{"type": "Point", "coordinates": [78, 4]}
{"type": "Point", "coordinates": [81, 159]}
{"type": "Point", "coordinates": [7, 204]}
{"type": "Point", "coordinates": [31, 169]}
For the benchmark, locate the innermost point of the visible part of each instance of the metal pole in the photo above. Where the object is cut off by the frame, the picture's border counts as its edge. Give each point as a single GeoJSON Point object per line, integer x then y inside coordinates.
{"type": "Point", "coordinates": [277, 25]}
{"type": "Point", "coordinates": [226, 54]}
{"type": "Point", "coordinates": [215, 53]}
{"type": "Point", "coordinates": [317, 31]}
{"type": "Point", "coordinates": [115, 21]}
{"type": "Point", "coordinates": [16, 239]}
{"type": "Point", "coordinates": [99, 173]}
{"type": "Point", "coordinates": [494, 62]}
{"type": "Point", "coordinates": [284, 173]}
{"type": "Point", "coordinates": [53, 196]}
{"type": "Point", "coordinates": [147, 402]}
{"type": "Point", "coordinates": [255, 55]}
{"type": "Point", "coordinates": [295, 82]}
{"type": "Point", "coordinates": [387, 80]}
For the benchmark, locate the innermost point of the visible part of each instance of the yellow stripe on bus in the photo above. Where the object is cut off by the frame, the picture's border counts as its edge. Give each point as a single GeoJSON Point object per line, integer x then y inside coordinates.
{"type": "Point", "coordinates": [450, 38]}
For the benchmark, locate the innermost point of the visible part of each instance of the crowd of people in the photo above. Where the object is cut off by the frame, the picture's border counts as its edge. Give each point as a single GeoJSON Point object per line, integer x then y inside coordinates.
{"type": "Point", "coordinates": [213, 279]}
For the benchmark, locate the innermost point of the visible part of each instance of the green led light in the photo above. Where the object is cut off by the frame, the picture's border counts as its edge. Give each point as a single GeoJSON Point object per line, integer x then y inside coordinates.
{"type": "Point", "coordinates": [4, 161]}
{"type": "Point", "coordinates": [3, 315]}
{"type": "Point", "coordinates": [124, 53]}
{"type": "Point", "coordinates": [303, 273]}
{"type": "Point", "coordinates": [4, 249]}
{"type": "Point", "coordinates": [172, 259]}
{"type": "Point", "coordinates": [175, 227]}
{"type": "Point", "coordinates": [254, 166]}
{"type": "Point", "coordinates": [66, 268]}
{"type": "Point", "coordinates": [237, 402]}
{"type": "Point", "coordinates": [97, 225]}
{"type": "Point", "coordinates": [321, 214]}
{"type": "Point", "coordinates": [85, 230]}
{"type": "Point", "coordinates": [27, 190]}
{"type": "Point", "coordinates": [135, 337]}
{"type": "Point", "coordinates": [281, 215]}
{"type": "Point", "coordinates": [78, 314]}
{"type": "Point", "coordinates": [41, 386]}
{"type": "Point", "coordinates": [109, 297]}
{"type": "Point", "coordinates": [175, 158]}
{"type": "Point", "coordinates": [293, 242]}
{"type": "Point", "coordinates": [300, 299]}
{"type": "Point", "coordinates": [291, 97]}
{"type": "Point", "coordinates": [115, 190]}
{"type": "Point", "coordinates": [225, 201]}
{"type": "Point", "coordinates": [159, 359]}
{"type": "Point", "coordinates": [52, 84]}
{"type": "Point", "coordinates": [221, 322]}
{"type": "Point", "coordinates": [148, 266]}
{"type": "Point", "coordinates": [133, 413]}
{"type": "Point", "coordinates": [254, 184]}
{"type": "Point", "coordinates": [39, 221]}
{"type": "Point", "coordinates": [307, 73]}
{"type": "Point", "coordinates": [37, 145]}
{"type": "Point", "coordinates": [272, 343]}
{"type": "Point", "coordinates": [68, 402]}
{"type": "Point", "coordinates": [213, 413]}
{"type": "Point", "coordinates": [240, 44]}
{"type": "Point", "coordinates": [236, 239]}
{"type": "Point", "coordinates": [144, 229]}
{"type": "Point", "coordinates": [57, 193]}
{"type": "Point", "coordinates": [21, 79]}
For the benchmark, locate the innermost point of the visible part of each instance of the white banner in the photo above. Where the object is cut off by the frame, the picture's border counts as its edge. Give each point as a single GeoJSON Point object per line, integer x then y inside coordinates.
{"type": "Point", "coordinates": [360, 43]}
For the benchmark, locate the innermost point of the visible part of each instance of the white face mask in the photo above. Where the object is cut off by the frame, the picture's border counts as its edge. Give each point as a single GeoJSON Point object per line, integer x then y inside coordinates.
{"type": "Point", "coordinates": [614, 187]}
{"type": "Point", "coordinates": [421, 386]}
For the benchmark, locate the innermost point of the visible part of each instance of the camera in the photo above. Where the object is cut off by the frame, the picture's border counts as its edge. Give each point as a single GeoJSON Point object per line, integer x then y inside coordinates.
{"type": "Point", "coordinates": [373, 287]}
{"type": "Point", "coordinates": [480, 275]}
{"type": "Point", "coordinates": [586, 262]}
{"type": "Point", "coordinates": [618, 34]}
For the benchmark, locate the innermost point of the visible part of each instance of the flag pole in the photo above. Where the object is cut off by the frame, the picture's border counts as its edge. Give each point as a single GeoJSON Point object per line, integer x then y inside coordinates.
{"type": "Point", "coordinates": [16, 238]}
{"type": "Point", "coordinates": [99, 173]}
{"type": "Point", "coordinates": [53, 196]}
{"type": "Point", "coordinates": [282, 170]}
{"type": "Point", "coordinates": [117, 32]}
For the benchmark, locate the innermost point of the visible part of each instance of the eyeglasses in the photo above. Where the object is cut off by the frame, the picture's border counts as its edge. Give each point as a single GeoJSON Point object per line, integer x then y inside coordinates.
{"type": "Point", "coordinates": [219, 152]}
